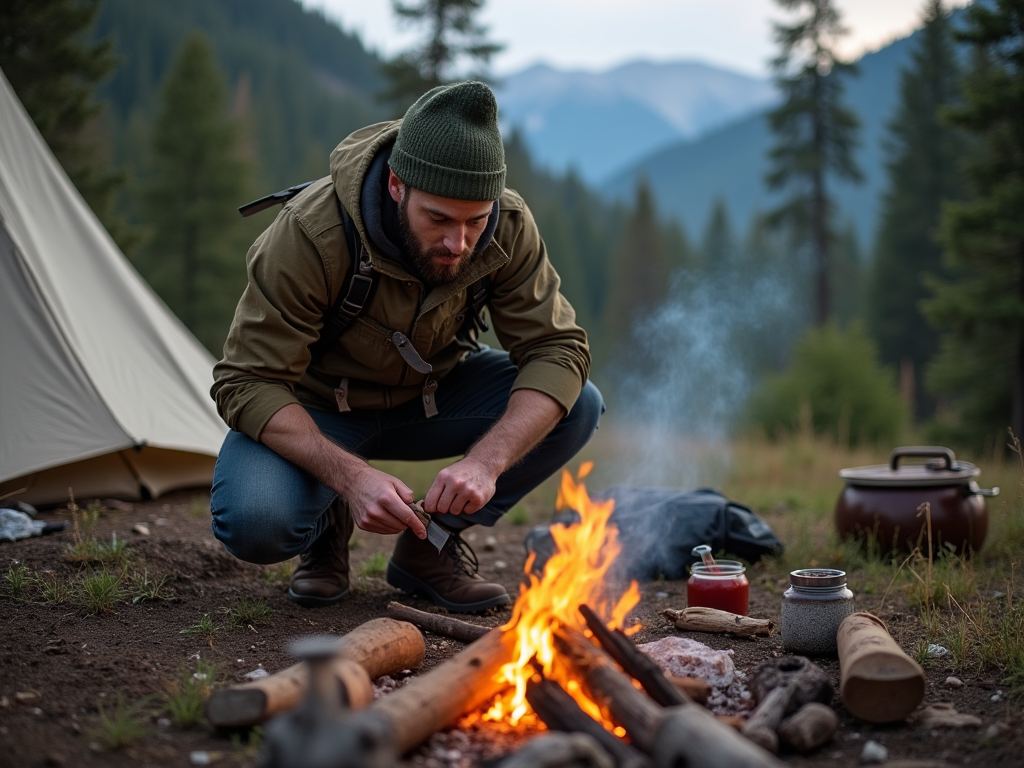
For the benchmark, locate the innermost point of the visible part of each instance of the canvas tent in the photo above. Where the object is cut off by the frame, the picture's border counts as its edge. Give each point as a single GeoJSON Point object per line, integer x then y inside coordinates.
{"type": "Point", "coordinates": [102, 388]}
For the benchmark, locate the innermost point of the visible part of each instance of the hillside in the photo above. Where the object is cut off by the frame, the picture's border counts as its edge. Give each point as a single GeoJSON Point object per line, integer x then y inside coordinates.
{"type": "Point", "coordinates": [731, 163]}
{"type": "Point", "coordinates": [601, 122]}
{"type": "Point", "coordinates": [301, 81]}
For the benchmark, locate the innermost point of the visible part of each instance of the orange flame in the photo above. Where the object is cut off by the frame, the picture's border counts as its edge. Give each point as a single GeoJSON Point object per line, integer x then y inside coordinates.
{"type": "Point", "coordinates": [574, 574]}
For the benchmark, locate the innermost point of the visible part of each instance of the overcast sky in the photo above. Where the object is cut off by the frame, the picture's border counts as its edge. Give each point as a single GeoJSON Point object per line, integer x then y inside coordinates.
{"type": "Point", "coordinates": [599, 34]}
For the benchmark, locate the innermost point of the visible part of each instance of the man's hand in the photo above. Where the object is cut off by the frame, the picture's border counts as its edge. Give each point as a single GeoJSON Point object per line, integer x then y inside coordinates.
{"type": "Point", "coordinates": [380, 503]}
{"type": "Point", "coordinates": [463, 488]}
{"type": "Point", "coordinates": [466, 486]}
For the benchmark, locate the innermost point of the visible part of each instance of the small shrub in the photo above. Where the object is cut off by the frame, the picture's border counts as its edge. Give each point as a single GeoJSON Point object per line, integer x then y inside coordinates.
{"type": "Point", "coordinates": [101, 591]}
{"type": "Point", "coordinates": [115, 554]}
{"type": "Point", "coordinates": [144, 588]}
{"type": "Point", "coordinates": [205, 628]}
{"type": "Point", "coordinates": [246, 612]}
{"type": "Point", "coordinates": [18, 578]}
{"type": "Point", "coordinates": [836, 380]}
{"type": "Point", "coordinates": [374, 565]}
{"type": "Point", "coordinates": [123, 727]}
{"type": "Point", "coordinates": [186, 697]}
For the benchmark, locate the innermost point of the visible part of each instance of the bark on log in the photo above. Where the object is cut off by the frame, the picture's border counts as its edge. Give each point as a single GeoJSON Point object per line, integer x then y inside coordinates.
{"type": "Point", "coordinates": [428, 703]}
{"type": "Point", "coordinates": [636, 663]}
{"type": "Point", "coordinates": [560, 712]}
{"type": "Point", "coordinates": [439, 624]}
{"type": "Point", "coordinates": [684, 735]}
{"type": "Point", "coordinates": [699, 619]}
{"type": "Point", "coordinates": [378, 647]}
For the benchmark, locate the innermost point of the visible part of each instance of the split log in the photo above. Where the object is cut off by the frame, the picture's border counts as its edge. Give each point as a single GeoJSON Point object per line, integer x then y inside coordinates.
{"type": "Point", "coordinates": [431, 701]}
{"type": "Point", "coordinates": [560, 712]}
{"type": "Point", "coordinates": [378, 647]}
{"type": "Point", "coordinates": [683, 735]}
{"type": "Point", "coordinates": [809, 727]}
{"type": "Point", "coordinates": [698, 619]}
{"type": "Point", "coordinates": [637, 663]}
{"type": "Point", "coordinates": [439, 624]}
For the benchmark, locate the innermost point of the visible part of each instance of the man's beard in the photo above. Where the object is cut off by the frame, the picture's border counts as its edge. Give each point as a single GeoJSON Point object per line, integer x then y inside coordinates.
{"type": "Point", "coordinates": [427, 270]}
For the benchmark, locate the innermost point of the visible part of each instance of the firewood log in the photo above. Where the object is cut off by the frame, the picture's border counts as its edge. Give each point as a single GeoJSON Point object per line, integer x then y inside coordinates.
{"type": "Point", "coordinates": [682, 735]}
{"type": "Point", "coordinates": [698, 619]}
{"type": "Point", "coordinates": [439, 624]}
{"type": "Point", "coordinates": [378, 647]}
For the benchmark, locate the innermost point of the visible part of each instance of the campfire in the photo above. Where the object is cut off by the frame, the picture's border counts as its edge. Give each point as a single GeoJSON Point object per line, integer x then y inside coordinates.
{"type": "Point", "coordinates": [564, 661]}
{"type": "Point", "coordinates": [574, 575]}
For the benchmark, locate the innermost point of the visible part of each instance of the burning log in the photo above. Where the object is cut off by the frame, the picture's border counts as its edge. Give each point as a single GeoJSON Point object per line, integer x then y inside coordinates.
{"type": "Point", "coordinates": [560, 712]}
{"type": "Point", "coordinates": [683, 735]}
{"type": "Point", "coordinates": [698, 619]}
{"type": "Point", "coordinates": [637, 663]}
{"type": "Point", "coordinates": [378, 647]}
{"type": "Point", "coordinates": [429, 702]}
{"type": "Point", "coordinates": [447, 626]}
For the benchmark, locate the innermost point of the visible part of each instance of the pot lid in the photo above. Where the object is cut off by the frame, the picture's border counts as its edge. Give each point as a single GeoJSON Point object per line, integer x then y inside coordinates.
{"type": "Point", "coordinates": [935, 466]}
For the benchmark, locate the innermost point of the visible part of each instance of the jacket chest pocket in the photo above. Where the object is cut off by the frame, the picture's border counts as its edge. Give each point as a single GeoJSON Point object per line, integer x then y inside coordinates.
{"type": "Point", "coordinates": [444, 323]}
{"type": "Point", "coordinates": [366, 353]}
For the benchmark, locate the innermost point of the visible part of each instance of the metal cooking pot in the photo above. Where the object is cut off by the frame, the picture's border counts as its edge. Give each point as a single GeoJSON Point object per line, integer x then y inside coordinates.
{"type": "Point", "coordinates": [881, 501]}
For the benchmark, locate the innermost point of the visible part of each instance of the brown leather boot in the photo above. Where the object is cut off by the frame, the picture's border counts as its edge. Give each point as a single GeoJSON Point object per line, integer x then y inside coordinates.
{"type": "Point", "coordinates": [449, 578]}
{"type": "Point", "coordinates": [322, 575]}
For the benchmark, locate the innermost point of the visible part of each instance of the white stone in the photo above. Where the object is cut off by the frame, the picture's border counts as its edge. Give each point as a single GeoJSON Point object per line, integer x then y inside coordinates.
{"type": "Point", "coordinates": [954, 682]}
{"type": "Point", "coordinates": [936, 651]}
{"type": "Point", "coordinates": [490, 544]}
{"type": "Point", "coordinates": [141, 529]}
{"type": "Point", "coordinates": [873, 752]}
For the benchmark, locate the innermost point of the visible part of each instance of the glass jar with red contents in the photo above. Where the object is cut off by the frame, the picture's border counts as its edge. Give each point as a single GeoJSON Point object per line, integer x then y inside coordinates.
{"type": "Point", "coordinates": [722, 585]}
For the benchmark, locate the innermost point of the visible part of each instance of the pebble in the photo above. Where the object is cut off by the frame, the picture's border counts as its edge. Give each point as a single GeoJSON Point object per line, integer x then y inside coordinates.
{"type": "Point", "coordinates": [163, 722]}
{"type": "Point", "coordinates": [996, 730]}
{"type": "Point", "coordinates": [24, 697]}
{"type": "Point", "coordinates": [500, 565]}
{"type": "Point", "coordinates": [490, 544]}
{"type": "Point", "coordinates": [997, 696]}
{"type": "Point", "coordinates": [4, 702]}
{"type": "Point", "coordinates": [873, 752]}
{"type": "Point", "coordinates": [954, 682]}
{"type": "Point", "coordinates": [936, 651]}
{"type": "Point", "coordinates": [161, 521]}
{"type": "Point", "coordinates": [142, 530]}
{"type": "Point", "coordinates": [257, 674]}
{"type": "Point", "coordinates": [661, 595]}
{"type": "Point", "coordinates": [201, 757]}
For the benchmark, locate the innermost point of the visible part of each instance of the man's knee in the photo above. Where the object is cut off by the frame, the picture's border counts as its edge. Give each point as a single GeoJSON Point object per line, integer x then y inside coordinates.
{"type": "Point", "coordinates": [260, 533]}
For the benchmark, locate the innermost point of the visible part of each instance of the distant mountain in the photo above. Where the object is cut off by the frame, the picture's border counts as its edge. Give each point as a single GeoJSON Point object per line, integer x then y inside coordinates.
{"type": "Point", "coordinates": [730, 163]}
{"type": "Point", "coordinates": [600, 122]}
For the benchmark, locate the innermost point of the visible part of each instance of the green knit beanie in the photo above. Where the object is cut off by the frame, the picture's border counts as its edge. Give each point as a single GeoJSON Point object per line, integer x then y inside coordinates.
{"type": "Point", "coordinates": [449, 145]}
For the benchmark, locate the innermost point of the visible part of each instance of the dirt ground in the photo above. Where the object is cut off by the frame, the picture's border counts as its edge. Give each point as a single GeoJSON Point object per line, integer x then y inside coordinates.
{"type": "Point", "coordinates": [60, 665]}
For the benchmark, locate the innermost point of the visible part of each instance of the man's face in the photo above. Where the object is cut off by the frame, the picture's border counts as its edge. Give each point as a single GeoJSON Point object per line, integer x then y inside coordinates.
{"type": "Point", "coordinates": [439, 233]}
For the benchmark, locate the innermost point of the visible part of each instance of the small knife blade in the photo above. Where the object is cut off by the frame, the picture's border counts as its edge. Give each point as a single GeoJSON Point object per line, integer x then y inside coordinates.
{"type": "Point", "coordinates": [436, 535]}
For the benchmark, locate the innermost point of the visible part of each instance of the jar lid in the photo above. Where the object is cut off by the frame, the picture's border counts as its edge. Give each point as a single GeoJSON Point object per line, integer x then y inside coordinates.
{"type": "Point", "coordinates": [818, 578]}
{"type": "Point", "coordinates": [939, 468]}
{"type": "Point", "coordinates": [721, 569]}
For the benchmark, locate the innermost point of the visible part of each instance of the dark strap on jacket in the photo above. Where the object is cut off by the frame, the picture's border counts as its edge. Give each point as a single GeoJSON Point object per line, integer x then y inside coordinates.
{"type": "Point", "coordinates": [363, 278]}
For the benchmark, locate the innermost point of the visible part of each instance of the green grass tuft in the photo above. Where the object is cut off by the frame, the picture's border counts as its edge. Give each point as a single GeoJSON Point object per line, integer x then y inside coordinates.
{"type": "Point", "coordinates": [143, 588]}
{"type": "Point", "coordinates": [374, 565]}
{"type": "Point", "coordinates": [185, 699]}
{"type": "Point", "coordinates": [122, 727]}
{"type": "Point", "coordinates": [101, 591]}
{"type": "Point", "coordinates": [55, 590]}
{"type": "Point", "coordinates": [18, 579]}
{"type": "Point", "coordinates": [248, 612]}
{"type": "Point", "coordinates": [205, 628]}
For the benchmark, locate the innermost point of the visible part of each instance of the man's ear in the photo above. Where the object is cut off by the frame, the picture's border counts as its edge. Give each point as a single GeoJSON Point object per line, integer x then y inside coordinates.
{"type": "Point", "coordinates": [395, 186]}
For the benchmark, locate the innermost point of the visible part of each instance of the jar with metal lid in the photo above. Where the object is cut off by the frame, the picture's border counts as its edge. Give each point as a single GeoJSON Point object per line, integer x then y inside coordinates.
{"type": "Point", "coordinates": [813, 607]}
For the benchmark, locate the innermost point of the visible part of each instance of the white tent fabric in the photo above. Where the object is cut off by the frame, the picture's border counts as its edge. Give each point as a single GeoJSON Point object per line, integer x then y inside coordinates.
{"type": "Point", "coordinates": [101, 387]}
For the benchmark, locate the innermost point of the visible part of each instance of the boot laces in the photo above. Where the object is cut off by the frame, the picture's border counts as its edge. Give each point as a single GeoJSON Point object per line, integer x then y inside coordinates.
{"type": "Point", "coordinates": [464, 559]}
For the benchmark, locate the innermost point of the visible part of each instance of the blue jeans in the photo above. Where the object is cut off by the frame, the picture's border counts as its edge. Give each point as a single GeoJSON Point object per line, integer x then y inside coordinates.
{"type": "Point", "coordinates": [266, 509]}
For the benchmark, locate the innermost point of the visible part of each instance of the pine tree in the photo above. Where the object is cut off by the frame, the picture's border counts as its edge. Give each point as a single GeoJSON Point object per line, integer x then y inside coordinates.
{"type": "Point", "coordinates": [815, 133]}
{"type": "Point", "coordinates": [718, 246]}
{"type": "Point", "coordinates": [193, 259]}
{"type": "Point", "coordinates": [453, 35]}
{"type": "Point", "coordinates": [54, 73]}
{"type": "Point", "coordinates": [923, 170]}
{"type": "Point", "coordinates": [640, 267]}
{"type": "Point", "coordinates": [981, 309]}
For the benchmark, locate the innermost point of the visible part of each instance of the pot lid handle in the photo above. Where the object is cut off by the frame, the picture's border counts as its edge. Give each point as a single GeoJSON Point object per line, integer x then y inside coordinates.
{"type": "Point", "coordinates": [922, 451]}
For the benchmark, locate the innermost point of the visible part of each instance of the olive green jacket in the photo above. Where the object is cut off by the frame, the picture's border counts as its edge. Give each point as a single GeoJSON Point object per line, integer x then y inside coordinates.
{"type": "Point", "coordinates": [298, 266]}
